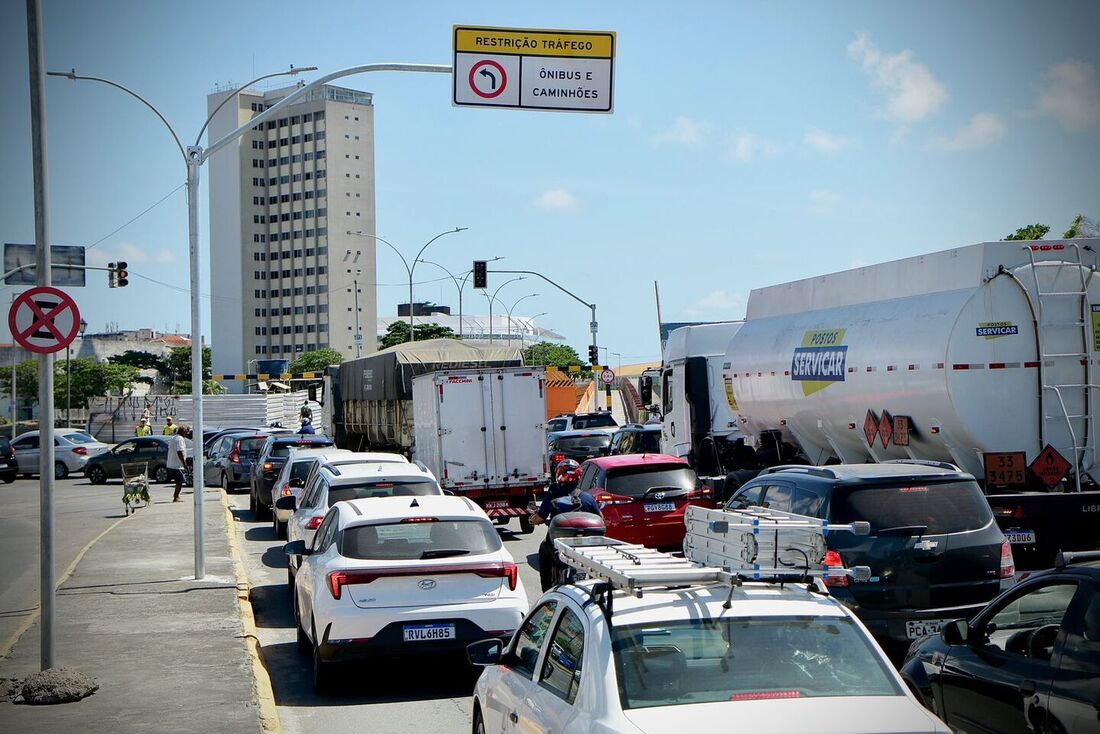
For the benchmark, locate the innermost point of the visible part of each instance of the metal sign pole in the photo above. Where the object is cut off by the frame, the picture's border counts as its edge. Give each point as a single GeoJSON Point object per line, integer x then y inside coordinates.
{"type": "Point", "coordinates": [37, 58]}
{"type": "Point", "coordinates": [198, 480]}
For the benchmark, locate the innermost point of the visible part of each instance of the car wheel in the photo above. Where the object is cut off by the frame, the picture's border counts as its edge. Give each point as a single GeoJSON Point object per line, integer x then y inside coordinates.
{"type": "Point", "coordinates": [96, 475]}
{"type": "Point", "coordinates": [525, 525]}
{"type": "Point", "coordinates": [252, 504]}
{"type": "Point", "coordinates": [160, 474]}
{"type": "Point", "coordinates": [60, 471]}
{"type": "Point", "coordinates": [479, 722]}
{"type": "Point", "coordinates": [262, 511]}
{"type": "Point", "coordinates": [225, 483]}
{"type": "Point", "coordinates": [9, 478]}
{"type": "Point", "coordinates": [322, 671]}
{"type": "Point", "coordinates": [280, 529]}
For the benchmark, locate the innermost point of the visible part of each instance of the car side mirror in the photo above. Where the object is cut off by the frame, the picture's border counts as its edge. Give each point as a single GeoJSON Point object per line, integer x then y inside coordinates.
{"type": "Point", "coordinates": [485, 652]}
{"type": "Point", "coordinates": [955, 632]}
{"type": "Point", "coordinates": [298, 483]}
{"type": "Point", "coordinates": [296, 547]}
{"type": "Point", "coordinates": [448, 493]}
{"type": "Point", "coordinates": [290, 502]}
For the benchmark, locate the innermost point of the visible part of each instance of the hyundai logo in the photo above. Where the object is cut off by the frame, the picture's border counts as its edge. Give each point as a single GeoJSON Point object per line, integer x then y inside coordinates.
{"type": "Point", "coordinates": [426, 584]}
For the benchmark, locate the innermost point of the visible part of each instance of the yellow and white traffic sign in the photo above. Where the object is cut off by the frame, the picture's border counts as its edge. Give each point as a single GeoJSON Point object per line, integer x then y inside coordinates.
{"type": "Point", "coordinates": [570, 71]}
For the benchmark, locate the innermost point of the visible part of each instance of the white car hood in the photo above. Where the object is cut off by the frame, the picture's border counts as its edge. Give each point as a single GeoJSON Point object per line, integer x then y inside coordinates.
{"type": "Point", "coordinates": [838, 715]}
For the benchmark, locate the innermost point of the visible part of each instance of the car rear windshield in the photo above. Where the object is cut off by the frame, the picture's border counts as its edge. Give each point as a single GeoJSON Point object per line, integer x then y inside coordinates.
{"type": "Point", "coordinates": [584, 442]}
{"type": "Point", "coordinates": [413, 540]}
{"type": "Point", "coordinates": [417, 488]}
{"type": "Point", "coordinates": [649, 442]}
{"type": "Point", "coordinates": [282, 450]}
{"type": "Point", "coordinates": [251, 445]}
{"type": "Point", "coordinates": [933, 508]}
{"type": "Point", "coordinates": [5, 445]}
{"type": "Point", "coordinates": [78, 437]}
{"type": "Point", "coordinates": [558, 424]}
{"type": "Point", "coordinates": [636, 481]}
{"type": "Point", "coordinates": [300, 470]}
{"type": "Point", "coordinates": [737, 659]}
{"type": "Point", "coordinates": [595, 421]}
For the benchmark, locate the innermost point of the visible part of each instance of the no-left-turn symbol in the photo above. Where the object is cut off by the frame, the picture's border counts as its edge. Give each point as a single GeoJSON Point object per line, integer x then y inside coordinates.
{"type": "Point", "coordinates": [44, 320]}
{"type": "Point", "coordinates": [487, 79]}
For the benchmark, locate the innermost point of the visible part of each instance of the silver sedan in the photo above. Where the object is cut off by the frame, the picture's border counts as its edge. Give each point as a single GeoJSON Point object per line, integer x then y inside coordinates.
{"type": "Point", "coordinates": [72, 449]}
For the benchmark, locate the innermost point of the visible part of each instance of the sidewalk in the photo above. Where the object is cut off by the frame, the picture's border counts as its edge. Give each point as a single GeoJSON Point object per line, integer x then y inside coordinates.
{"type": "Point", "coordinates": [167, 651]}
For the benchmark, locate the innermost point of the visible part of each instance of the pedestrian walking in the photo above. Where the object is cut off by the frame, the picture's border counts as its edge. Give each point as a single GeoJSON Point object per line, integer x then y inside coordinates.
{"type": "Point", "coordinates": [170, 428]}
{"type": "Point", "coordinates": [177, 458]}
{"type": "Point", "coordinates": [143, 428]}
{"type": "Point", "coordinates": [307, 427]}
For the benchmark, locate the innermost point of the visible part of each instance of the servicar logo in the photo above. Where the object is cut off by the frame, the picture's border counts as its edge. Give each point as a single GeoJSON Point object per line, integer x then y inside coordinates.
{"type": "Point", "coordinates": [821, 360]}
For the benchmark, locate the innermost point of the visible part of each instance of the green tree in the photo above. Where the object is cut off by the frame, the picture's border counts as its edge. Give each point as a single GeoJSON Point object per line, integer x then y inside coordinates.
{"type": "Point", "coordinates": [209, 387]}
{"type": "Point", "coordinates": [1030, 232]}
{"type": "Point", "coordinates": [26, 380]}
{"type": "Point", "coordinates": [142, 360]}
{"type": "Point", "coordinates": [91, 379]}
{"type": "Point", "coordinates": [545, 354]}
{"type": "Point", "coordinates": [179, 368]}
{"type": "Point", "coordinates": [1082, 226]}
{"type": "Point", "coordinates": [398, 333]}
{"type": "Point", "coordinates": [315, 361]}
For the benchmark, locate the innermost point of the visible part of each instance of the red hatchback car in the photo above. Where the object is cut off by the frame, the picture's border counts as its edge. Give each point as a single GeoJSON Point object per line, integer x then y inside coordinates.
{"type": "Point", "coordinates": [643, 497]}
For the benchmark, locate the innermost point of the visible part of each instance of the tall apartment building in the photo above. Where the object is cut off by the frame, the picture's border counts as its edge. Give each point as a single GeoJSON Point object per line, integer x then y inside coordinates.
{"type": "Point", "coordinates": [282, 200]}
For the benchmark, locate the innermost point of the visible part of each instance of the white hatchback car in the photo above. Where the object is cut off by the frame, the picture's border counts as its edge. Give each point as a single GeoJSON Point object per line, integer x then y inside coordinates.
{"type": "Point", "coordinates": [403, 576]}
{"type": "Point", "coordinates": [336, 480]}
{"type": "Point", "coordinates": [781, 658]}
{"type": "Point", "coordinates": [292, 478]}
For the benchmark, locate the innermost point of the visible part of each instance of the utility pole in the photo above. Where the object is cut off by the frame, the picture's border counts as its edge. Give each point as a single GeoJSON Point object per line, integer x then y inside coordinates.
{"type": "Point", "coordinates": [47, 581]}
{"type": "Point", "coordinates": [358, 332]}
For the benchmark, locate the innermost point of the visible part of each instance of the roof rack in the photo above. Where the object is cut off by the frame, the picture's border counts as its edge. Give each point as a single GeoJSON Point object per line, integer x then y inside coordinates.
{"type": "Point", "coordinates": [722, 547]}
{"type": "Point", "coordinates": [1068, 558]}
{"type": "Point", "coordinates": [817, 471]}
{"type": "Point", "coordinates": [925, 462]}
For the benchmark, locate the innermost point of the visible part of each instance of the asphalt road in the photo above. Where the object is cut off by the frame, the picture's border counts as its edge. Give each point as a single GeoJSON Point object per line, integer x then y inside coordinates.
{"type": "Point", "coordinates": [81, 512]}
{"type": "Point", "coordinates": [382, 697]}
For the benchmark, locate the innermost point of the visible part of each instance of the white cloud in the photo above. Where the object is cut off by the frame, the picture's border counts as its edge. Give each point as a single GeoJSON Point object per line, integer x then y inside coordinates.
{"type": "Point", "coordinates": [912, 92]}
{"type": "Point", "coordinates": [824, 142]}
{"type": "Point", "coordinates": [1071, 94]}
{"type": "Point", "coordinates": [744, 147]}
{"type": "Point", "coordinates": [556, 199]}
{"type": "Point", "coordinates": [131, 253]}
{"type": "Point", "coordinates": [982, 130]}
{"type": "Point", "coordinates": [720, 302]}
{"type": "Point", "coordinates": [684, 131]}
{"type": "Point", "coordinates": [824, 201]}
{"type": "Point", "coordinates": [125, 251]}
{"type": "Point", "coordinates": [166, 257]}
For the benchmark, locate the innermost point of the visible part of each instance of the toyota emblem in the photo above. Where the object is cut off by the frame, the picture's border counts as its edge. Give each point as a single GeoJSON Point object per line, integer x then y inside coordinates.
{"type": "Point", "coordinates": [426, 584]}
{"type": "Point", "coordinates": [658, 495]}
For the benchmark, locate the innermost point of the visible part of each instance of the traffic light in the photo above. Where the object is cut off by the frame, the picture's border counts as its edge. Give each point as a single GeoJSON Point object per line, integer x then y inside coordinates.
{"type": "Point", "coordinates": [593, 355]}
{"type": "Point", "coordinates": [481, 274]}
{"type": "Point", "coordinates": [122, 276]}
{"type": "Point", "coordinates": [112, 277]}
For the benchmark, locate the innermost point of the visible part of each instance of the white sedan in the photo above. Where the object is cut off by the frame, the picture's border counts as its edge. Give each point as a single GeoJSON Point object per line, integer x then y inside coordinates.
{"type": "Point", "coordinates": [781, 659]}
{"type": "Point", "coordinates": [402, 576]}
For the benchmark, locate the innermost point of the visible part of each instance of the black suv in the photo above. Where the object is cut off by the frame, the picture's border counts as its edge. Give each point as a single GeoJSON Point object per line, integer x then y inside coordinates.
{"type": "Point", "coordinates": [1030, 661]}
{"type": "Point", "coordinates": [269, 462]}
{"type": "Point", "coordinates": [635, 438]}
{"type": "Point", "coordinates": [934, 550]}
{"type": "Point", "coordinates": [578, 446]}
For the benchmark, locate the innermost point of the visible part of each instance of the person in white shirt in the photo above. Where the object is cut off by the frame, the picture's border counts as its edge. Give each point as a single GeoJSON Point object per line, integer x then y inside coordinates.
{"type": "Point", "coordinates": [177, 458]}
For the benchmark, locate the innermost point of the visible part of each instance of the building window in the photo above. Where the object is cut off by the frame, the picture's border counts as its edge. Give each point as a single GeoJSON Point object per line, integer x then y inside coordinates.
{"type": "Point", "coordinates": [295, 120]}
{"type": "Point", "coordinates": [282, 122]}
{"type": "Point", "coordinates": [307, 137]}
{"type": "Point", "coordinates": [284, 179]}
{"type": "Point", "coordinates": [272, 181]}
{"type": "Point", "coordinates": [257, 311]}
{"type": "Point", "coordinates": [297, 234]}
{"type": "Point", "coordinates": [308, 157]}
{"type": "Point", "coordinates": [311, 309]}
{"type": "Point", "coordinates": [322, 212]}
{"type": "Point", "coordinates": [310, 252]}
{"type": "Point", "coordinates": [309, 194]}
{"type": "Point", "coordinates": [286, 292]}
{"type": "Point", "coordinates": [298, 310]}
{"type": "Point", "coordinates": [286, 329]}
{"type": "Point", "coordinates": [283, 160]}
{"type": "Point", "coordinates": [272, 143]}
{"type": "Point", "coordinates": [323, 308]}
{"type": "Point", "coordinates": [320, 155]}
{"type": "Point", "coordinates": [307, 117]}
{"type": "Point", "coordinates": [260, 294]}
{"type": "Point", "coordinates": [322, 269]}
{"type": "Point", "coordinates": [310, 290]}
{"type": "Point", "coordinates": [320, 173]}
{"type": "Point", "coordinates": [273, 200]}
{"type": "Point", "coordinates": [271, 163]}
{"type": "Point", "coordinates": [296, 177]}
{"type": "Point", "coordinates": [320, 135]}
{"type": "Point", "coordinates": [283, 141]}
{"type": "Point", "coordinates": [296, 139]}
{"type": "Point", "coordinates": [323, 327]}
{"type": "Point", "coordinates": [298, 329]}
{"type": "Point", "coordinates": [295, 158]}
{"type": "Point", "coordinates": [310, 328]}
{"type": "Point", "coordinates": [321, 193]}
{"type": "Point", "coordinates": [310, 271]}
{"type": "Point", "coordinates": [319, 115]}
{"type": "Point", "coordinates": [284, 198]}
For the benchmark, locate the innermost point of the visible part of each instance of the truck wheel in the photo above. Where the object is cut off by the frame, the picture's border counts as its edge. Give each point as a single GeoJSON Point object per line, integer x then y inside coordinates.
{"type": "Point", "coordinates": [525, 525]}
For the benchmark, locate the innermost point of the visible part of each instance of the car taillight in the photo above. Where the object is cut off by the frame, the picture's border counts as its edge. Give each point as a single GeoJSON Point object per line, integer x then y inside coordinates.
{"type": "Point", "coordinates": [267, 466]}
{"type": "Point", "coordinates": [80, 450]}
{"type": "Point", "coordinates": [833, 560]}
{"type": "Point", "coordinates": [557, 458]}
{"type": "Point", "coordinates": [703, 493]}
{"type": "Point", "coordinates": [1008, 564]}
{"type": "Point", "coordinates": [763, 695]}
{"type": "Point", "coordinates": [235, 456]}
{"type": "Point", "coordinates": [505, 570]}
{"type": "Point", "coordinates": [313, 523]}
{"type": "Point", "coordinates": [604, 499]}
{"type": "Point", "coordinates": [286, 491]}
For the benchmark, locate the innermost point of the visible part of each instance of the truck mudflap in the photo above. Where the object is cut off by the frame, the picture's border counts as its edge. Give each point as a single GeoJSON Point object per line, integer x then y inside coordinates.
{"type": "Point", "coordinates": [501, 502]}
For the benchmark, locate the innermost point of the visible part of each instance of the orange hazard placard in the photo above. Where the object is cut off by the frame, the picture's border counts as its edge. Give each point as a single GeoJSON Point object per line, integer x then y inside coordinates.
{"type": "Point", "coordinates": [1050, 466]}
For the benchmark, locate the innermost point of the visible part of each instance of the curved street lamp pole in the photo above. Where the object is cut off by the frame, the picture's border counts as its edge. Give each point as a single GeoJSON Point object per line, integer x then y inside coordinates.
{"type": "Point", "coordinates": [193, 157]}
{"type": "Point", "coordinates": [494, 298]}
{"type": "Point", "coordinates": [531, 325]}
{"type": "Point", "coordinates": [460, 285]}
{"type": "Point", "coordinates": [410, 269]}
{"type": "Point", "coordinates": [513, 308]}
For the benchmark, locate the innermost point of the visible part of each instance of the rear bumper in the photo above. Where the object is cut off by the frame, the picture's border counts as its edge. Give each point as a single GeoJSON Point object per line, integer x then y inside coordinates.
{"type": "Point", "coordinates": [389, 642]}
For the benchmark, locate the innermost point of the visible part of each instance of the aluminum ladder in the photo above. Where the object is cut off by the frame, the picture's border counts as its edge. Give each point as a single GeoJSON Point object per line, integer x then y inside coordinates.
{"type": "Point", "coordinates": [1081, 444]}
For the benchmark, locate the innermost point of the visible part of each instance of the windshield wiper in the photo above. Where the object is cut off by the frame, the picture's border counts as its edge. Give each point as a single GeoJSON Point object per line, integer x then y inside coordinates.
{"type": "Point", "coordinates": [443, 553]}
{"type": "Point", "coordinates": [669, 489]}
{"type": "Point", "coordinates": [906, 529]}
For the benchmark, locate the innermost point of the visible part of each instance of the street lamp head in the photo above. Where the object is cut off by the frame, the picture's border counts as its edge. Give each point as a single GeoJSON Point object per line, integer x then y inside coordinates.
{"type": "Point", "coordinates": [301, 69]}
{"type": "Point", "coordinates": [83, 327]}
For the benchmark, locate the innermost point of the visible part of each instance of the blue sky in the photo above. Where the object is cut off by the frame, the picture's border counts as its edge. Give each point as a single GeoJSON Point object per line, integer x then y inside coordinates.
{"type": "Point", "coordinates": [751, 143]}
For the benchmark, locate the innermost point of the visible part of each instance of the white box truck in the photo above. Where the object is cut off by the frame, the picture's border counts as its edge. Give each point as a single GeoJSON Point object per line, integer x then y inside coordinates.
{"type": "Point", "coordinates": [482, 433]}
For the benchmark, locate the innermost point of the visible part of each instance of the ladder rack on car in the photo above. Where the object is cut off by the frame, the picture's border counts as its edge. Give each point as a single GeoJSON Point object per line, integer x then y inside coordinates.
{"type": "Point", "coordinates": [722, 547]}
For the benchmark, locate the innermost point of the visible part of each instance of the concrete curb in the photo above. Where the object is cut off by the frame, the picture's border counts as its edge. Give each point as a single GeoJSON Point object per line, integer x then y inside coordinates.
{"type": "Point", "coordinates": [6, 648]}
{"type": "Point", "coordinates": [265, 696]}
